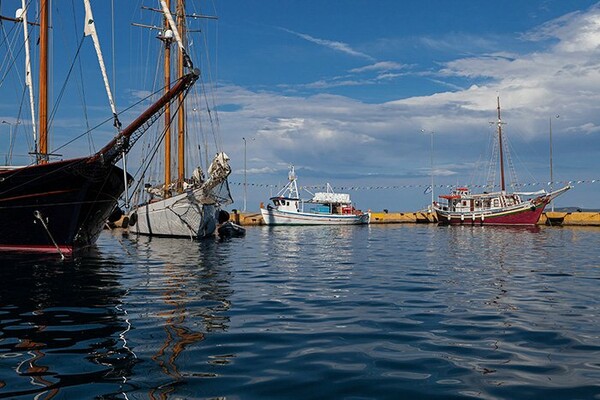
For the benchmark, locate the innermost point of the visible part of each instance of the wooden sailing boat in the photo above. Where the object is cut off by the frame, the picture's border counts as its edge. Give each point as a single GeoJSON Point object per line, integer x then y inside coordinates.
{"type": "Point", "coordinates": [62, 206]}
{"type": "Point", "coordinates": [187, 207]}
{"type": "Point", "coordinates": [495, 208]}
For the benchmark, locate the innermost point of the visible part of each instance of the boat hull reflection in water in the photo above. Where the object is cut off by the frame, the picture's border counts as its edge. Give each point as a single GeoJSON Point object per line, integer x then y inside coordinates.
{"type": "Point", "coordinates": [375, 311]}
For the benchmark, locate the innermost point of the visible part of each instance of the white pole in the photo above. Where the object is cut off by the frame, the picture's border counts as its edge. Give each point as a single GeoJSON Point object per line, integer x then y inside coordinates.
{"type": "Point", "coordinates": [28, 80]}
{"type": "Point", "coordinates": [431, 165]}
{"type": "Point", "coordinates": [551, 172]}
{"type": "Point", "coordinates": [245, 183]}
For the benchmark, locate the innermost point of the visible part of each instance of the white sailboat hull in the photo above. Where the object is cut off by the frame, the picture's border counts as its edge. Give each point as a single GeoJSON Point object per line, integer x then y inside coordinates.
{"type": "Point", "coordinates": [178, 216]}
{"type": "Point", "coordinates": [281, 217]}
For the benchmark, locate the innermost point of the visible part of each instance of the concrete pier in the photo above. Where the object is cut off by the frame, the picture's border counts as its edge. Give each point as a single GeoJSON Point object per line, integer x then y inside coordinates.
{"type": "Point", "coordinates": [547, 218]}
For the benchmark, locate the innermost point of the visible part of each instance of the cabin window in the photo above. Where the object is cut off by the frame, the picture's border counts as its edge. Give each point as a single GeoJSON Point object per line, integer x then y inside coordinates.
{"type": "Point", "coordinates": [276, 202]}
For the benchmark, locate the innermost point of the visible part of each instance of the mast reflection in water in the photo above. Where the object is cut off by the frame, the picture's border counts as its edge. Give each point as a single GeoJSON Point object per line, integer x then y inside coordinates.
{"type": "Point", "coordinates": [84, 328]}
{"type": "Point", "coordinates": [379, 311]}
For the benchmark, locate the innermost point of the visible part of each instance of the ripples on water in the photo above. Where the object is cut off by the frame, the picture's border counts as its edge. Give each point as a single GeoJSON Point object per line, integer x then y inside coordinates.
{"type": "Point", "coordinates": [404, 311]}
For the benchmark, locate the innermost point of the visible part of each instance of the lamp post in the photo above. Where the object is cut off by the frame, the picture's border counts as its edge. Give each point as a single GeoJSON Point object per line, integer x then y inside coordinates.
{"type": "Point", "coordinates": [245, 169]}
{"type": "Point", "coordinates": [431, 166]}
{"type": "Point", "coordinates": [551, 172]}
{"type": "Point", "coordinates": [10, 128]}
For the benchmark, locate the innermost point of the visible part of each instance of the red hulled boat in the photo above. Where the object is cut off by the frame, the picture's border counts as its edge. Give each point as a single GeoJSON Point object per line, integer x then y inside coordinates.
{"type": "Point", "coordinates": [496, 208]}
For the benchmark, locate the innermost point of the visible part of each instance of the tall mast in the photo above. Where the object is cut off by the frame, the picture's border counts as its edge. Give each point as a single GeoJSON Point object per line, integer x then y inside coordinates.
{"type": "Point", "coordinates": [28, 77]}
{"type": "Point", "coordinates": [42, 157]}
{"type": "Point", "coordinates": [503, 187]}
{"type": "Point", "coordinates": [167, 73]}
{"type": "Point", "coordinates": [181, 113]}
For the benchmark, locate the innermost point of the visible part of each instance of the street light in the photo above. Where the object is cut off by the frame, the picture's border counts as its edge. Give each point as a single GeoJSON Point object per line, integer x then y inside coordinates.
{"type": "Point", "coordinates": [245, 181]}
{"type": "Point", "coordinates": [10, 128]}
{"type": "Point", "coordinates": [431, 133]}
{"type": "Point", "coordinates": [551, 173]}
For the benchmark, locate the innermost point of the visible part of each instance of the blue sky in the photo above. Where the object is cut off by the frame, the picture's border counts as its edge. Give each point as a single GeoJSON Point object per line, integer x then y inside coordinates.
{"type": "Point", "coordinates": [343, 90]}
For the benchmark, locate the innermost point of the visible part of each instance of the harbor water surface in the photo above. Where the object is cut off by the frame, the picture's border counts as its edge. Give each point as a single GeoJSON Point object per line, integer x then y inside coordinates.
{"type": "Point", "coordinates": [355, 312]}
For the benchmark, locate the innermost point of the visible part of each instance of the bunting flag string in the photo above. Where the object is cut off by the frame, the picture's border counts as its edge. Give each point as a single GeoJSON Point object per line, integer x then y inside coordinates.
{"type": "Point", "coordinates": [427, 187]}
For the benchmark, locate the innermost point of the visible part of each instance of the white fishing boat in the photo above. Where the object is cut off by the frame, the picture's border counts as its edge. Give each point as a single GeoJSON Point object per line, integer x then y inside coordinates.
{"type": "Point", "coordinates": [181, 207]}
{"type": "Point", "coordinates": [324, 208]}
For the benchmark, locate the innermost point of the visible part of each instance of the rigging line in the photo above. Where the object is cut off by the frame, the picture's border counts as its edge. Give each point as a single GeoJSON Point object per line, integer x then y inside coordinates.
{"type": "Point", "coordinates": [156, 147]}
{"type": "Point", "coordinates": [109, 119]}
{"type": "Point", "coordinates": [12, 56]}
{"type": "Point", "coordinates": [210, 109]}
{"type": "Point", "coordinates": [209, 112]}
{"type": "Point", "coordinates": [64, 86]}
{"type": "Point", "coordinates": [67, 164]}
{"type": "Point", "coordinates": [16, 125]}
{"type": "Point", "coordinates": [82, 92]}
{"type": "Point", "coordinates": [18, 171]}
{"type": "Point", "coordinates": [70, 203]}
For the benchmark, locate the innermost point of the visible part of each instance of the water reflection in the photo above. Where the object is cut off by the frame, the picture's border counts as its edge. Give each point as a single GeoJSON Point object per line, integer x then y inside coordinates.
{"type": "Point", "coordinates": [60, 325]}
{"type": "Point", "coordinates": [182, 291]}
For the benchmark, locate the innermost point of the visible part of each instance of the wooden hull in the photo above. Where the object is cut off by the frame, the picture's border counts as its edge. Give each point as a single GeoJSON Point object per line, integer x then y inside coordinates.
{"type": "Point", "coordinates": [277, 217]}
{"type": "Point", "coordinates": [57, 206]}
{"type": "Point", "coordinates": [178, 216]}
{"type": "Point", "coordinates": [525, 214]}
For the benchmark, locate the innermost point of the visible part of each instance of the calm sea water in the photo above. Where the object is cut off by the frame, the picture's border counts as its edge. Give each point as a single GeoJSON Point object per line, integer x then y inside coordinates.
{"type": "Point", "coordinates": [365, 312]}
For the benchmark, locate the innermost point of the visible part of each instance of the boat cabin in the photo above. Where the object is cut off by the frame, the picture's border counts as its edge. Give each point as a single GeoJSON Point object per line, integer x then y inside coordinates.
{"type": "Point", "coordinates": [462, 200]}
{"type": "Point", "coordinates": [286, 203]}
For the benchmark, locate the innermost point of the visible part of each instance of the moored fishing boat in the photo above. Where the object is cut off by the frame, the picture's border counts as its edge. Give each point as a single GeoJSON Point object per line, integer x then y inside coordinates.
{"type": "Point", "coordinates": [325, 208]}
{"type": "Point", "coordinates": [494, 208]}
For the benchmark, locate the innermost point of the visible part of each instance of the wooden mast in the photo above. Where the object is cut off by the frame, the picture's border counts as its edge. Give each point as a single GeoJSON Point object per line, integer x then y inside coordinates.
{"type": "Point", "coordinates": [503, 187]}
{"type": "Point", "coordinates": [181, 113]}
{"type": "Point", "coordinates": [167, 74]}
{"type": "Point", "coordinates": [42, 156]}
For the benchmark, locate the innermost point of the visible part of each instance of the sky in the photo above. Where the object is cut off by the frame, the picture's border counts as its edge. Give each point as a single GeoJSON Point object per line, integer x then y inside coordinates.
{"type": "Point", "coordinates": [354, 93]}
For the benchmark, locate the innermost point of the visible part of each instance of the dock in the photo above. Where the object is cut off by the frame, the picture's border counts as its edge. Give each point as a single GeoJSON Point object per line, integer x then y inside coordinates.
{"type": "Point", "coordinates": [555, 218]}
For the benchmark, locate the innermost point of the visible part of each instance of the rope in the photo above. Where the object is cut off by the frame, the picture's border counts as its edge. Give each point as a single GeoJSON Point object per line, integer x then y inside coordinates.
{"type": "Point", "coordinates": [38, 215]}
{"type": "Point", "coordinates": [312, 187]}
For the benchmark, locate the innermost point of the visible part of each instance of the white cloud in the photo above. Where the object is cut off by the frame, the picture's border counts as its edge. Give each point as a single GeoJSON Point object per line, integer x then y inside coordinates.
{"type": "Point", "coordinates": [379, 66]}
{"type": "Point", "coordinates": [337, 46]}
{"type": "Point", "coordinates": [337, 133]}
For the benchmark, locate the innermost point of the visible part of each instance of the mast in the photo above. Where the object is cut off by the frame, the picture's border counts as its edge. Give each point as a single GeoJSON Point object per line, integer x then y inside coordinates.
{"type": "Point", "coordinates": [42, 156]}
{"type": "Point", "coordinates": [500, 145]}
{"type": "Point", "coordinates": [181, 113]}
{"type": "Point", "coordinates": [167, 72]}
{"type": "Point", "coordinates": [28, 80]}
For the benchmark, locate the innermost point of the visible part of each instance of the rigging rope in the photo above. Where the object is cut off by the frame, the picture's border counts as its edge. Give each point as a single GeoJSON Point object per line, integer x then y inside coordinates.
{"type": "Point", "coordinates": [420, 186]}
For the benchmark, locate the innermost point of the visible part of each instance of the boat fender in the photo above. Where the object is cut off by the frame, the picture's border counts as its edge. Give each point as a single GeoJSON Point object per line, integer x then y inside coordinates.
{"type": "Point", "coordinates": [223, 216]}
{"type": "Point", "coordinates": [132, 219]}
{"type": "Point", "coordinates": [125, 222]}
